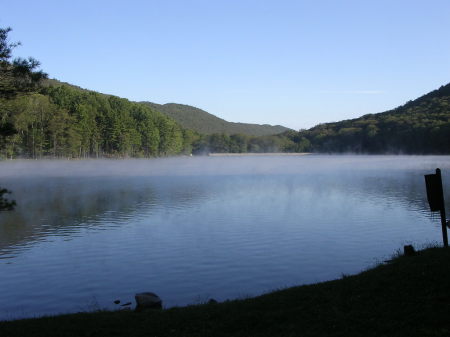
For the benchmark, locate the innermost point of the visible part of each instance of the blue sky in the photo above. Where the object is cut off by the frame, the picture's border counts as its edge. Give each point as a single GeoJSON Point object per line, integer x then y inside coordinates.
{"type": "Point", "coordinates": [294, 63]}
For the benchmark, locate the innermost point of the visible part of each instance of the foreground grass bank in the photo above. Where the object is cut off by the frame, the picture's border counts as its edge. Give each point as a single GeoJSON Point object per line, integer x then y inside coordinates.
{"type": "Point", "coordinates": [410, 296]}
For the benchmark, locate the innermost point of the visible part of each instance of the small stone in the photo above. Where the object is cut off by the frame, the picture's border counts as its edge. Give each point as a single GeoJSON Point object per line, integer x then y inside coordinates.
{"type": "Point", "coordinates": [147, 301]}
{"type": "Point", "coordinates": [116, 301]}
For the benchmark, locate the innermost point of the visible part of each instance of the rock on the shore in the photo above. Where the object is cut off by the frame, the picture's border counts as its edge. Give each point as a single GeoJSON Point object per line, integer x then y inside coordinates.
{"type": "Point", "coordinates": [147, 301]}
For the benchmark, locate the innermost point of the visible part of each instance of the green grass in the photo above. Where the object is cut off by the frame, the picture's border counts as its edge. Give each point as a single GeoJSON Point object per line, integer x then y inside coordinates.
{"type": "Point", "coordinates": [410, 296]}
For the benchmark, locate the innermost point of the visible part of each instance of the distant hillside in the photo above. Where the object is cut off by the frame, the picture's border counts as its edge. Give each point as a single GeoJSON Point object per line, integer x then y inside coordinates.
{"type": "Point", "coordinates": [63, 120]}
{"type": "Point", "coordinates": [203, 122]}
{"type": "Point", "coordinates": [421, 126]}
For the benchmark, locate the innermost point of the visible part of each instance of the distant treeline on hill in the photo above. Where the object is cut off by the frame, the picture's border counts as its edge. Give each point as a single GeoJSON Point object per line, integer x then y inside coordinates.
{"type": "Point", "coordinates": [46, 118]}
{"type": "Point", "coordinates": [421, 126]}
{"type": "Point", "coordinates": [205, 123]}
{"type": "Point", "coordinates": [61, 120]}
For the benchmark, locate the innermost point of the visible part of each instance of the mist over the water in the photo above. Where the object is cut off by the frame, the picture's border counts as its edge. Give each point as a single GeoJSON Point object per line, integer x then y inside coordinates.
{"type": "Point", "coordinates": [198, 166]}
{"type": "Point", "coordinates": [87, 232]}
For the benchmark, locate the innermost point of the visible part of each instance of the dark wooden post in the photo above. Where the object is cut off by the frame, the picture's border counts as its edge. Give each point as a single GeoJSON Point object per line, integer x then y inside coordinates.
{"type": "Point", "coordinates": [435, 196]}
{"type": "Point", "coordinates": [443, 218]}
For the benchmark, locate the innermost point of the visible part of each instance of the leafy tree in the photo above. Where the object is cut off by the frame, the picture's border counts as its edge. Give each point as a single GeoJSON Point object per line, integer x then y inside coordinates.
{"type": "Point", "coordinates": [17, 76]}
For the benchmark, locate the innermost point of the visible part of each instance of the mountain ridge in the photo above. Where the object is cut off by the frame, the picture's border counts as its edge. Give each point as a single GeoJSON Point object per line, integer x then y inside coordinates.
{"type": "Point", "coordinates": [194, 118]}
{"type": "Point", "coordinates": [420, 126]}
{"type": "Point", "coordinates": [64, 120]}
{"type": "Point", "coordinates": [201, 121]}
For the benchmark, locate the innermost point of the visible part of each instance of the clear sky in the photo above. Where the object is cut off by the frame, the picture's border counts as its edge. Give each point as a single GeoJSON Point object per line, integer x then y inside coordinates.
{"type": "Point", "coordinates": [294, 63]}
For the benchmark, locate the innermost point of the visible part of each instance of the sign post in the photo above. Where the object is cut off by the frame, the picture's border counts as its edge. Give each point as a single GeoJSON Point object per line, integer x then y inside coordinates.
{"type": "Point", "coordinates": [435, 196]}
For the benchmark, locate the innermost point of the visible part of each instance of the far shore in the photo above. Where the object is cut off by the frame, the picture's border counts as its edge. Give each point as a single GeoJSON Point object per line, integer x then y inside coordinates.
{"type": "Point", "coordinates": [259, 154]}
{"type": "Point", "coordinates": [247, 154]}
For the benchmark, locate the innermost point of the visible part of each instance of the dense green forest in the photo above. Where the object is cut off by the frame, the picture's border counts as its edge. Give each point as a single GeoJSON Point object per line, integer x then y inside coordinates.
{"type": "Point", "coordinates": [205, 123]}
{"type": "Point", "coordinates": [289, 141]}
{"type": "Point", "coordinates": [45, 118]}
{"type": "Point", "coordinates": [62, 121]}
{"type": "Point", "coordinates": [421, 126]}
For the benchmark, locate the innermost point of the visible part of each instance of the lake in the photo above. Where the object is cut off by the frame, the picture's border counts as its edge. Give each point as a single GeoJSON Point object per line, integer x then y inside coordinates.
{"type": "Point", "coordinates": [85, 233]}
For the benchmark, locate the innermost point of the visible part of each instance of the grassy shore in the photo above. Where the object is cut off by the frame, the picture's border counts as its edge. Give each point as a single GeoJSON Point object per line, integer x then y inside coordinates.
{"type": "Point", "coordinates": [409, 296]}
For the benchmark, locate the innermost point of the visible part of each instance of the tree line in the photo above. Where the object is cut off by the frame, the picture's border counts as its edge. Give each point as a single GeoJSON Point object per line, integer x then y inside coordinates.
{"type": "Point", "coordinates": [63, 121]}
{"type": "Point", "coordinates": [39, 120]}
{"type": "Point", "coordinates": [289, 141]}
{"type": "Point", "coordinates": [42, 118]}
{"type": "Point", "coordinates": [421, 126]}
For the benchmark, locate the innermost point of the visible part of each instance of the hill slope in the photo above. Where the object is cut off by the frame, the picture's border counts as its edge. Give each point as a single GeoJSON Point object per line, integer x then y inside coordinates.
{"type": "Point", "coordinates": [63, 120]}
{"type": "Point", "coordinates": [203, 122]}
{"type": "Point", "coordinates": [67, 121]}
{"type": "Point", "coordinates": [421, 126]}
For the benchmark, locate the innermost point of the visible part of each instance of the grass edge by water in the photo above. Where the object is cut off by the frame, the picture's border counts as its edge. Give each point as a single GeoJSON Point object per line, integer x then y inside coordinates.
{"type": "Point", "coordinates": [409, 296]}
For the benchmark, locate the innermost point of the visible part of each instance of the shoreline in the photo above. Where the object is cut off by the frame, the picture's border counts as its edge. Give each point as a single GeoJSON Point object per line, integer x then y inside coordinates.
{"type": "Point", "coordinates": [405, 296]}
{"type": "Point", "coordinates": [215, 154]}
{"type": "Point", "coordinates": [254, 154]}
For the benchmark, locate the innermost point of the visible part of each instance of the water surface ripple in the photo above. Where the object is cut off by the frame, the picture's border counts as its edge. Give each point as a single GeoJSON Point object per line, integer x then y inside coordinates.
{"type": "Point", "coordinates": [86, 233]}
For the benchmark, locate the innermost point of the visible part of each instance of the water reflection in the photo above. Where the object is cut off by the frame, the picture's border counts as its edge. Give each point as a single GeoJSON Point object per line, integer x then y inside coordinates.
{"type": "Point", "coordinates": [64, 205]}
{"type": "Point", "coordinates": [192, 228]}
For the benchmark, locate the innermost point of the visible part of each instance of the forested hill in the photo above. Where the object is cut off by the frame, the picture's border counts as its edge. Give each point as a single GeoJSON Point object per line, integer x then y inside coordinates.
{"type": "Point", "coordinates": [61, 120]}
{"type": "Point", "coordinates": [203, 122]}
{"type": "Point", "coordinates": [421, 126]}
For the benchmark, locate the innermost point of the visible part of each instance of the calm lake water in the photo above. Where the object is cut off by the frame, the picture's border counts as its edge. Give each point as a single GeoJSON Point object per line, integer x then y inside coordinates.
{"type": "Point", "coordinates": [86, 233]}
